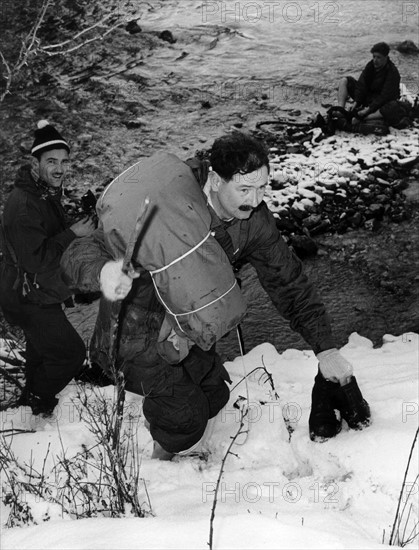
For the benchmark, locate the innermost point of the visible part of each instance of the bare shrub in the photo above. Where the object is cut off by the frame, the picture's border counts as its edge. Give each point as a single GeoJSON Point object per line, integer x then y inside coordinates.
{"type": "Point", "coordinates": [102, 480]}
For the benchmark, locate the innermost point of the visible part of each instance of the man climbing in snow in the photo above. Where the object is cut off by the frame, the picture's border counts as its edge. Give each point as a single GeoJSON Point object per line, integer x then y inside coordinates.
{"type": "Point", "coordinates": [32, 288]}
{"type": "Point", "coordinates": [377, 91]}
{"type": "Point", "coordinates": [208, 215]}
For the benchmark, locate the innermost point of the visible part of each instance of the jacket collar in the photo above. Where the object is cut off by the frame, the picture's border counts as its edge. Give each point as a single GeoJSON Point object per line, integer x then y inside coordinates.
{"type": "Point", "coordinates": [200, 169]}
{"type": "Point", "coordinates": [27, 180]}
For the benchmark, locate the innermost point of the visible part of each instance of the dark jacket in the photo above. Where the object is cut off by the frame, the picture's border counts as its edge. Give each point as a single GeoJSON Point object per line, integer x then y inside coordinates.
{"type": "Point", "coordinates": [376, 88]}
{"type": "Point", "coordinates": [256, 240]}
{"type": "Point", "coordinates": [34, 225]}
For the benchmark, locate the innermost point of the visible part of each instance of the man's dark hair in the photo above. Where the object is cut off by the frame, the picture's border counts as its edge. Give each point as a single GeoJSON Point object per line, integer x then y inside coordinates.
{"type": "Point", "coordinates": [238, 153]}
{"type": "Point", "coordinates": [381, 47]}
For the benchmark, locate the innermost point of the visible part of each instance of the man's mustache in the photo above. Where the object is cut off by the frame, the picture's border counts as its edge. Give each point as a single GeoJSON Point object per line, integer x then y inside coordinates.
{"type": "Point", "coordinates": [245, 207]}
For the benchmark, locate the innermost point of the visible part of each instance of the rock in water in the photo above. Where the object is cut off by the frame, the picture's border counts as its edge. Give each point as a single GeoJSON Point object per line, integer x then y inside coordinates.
{"type": "Point", "coordinates": [133, 27]}
{"type": "Point", "coordinates": [407, 46]}
{"type": "Point", "coordinates": [167, 36]}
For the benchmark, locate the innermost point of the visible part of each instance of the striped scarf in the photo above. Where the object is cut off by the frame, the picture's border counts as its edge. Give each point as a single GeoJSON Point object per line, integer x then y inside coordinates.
{"type": "Point", "coordinates": [45, 189]}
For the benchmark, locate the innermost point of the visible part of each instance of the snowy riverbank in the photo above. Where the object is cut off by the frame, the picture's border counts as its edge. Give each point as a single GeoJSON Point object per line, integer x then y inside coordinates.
{"type": "Point", "coordinates": [345, 181]}
{"type": "Point", "coordinates": [274, 493]}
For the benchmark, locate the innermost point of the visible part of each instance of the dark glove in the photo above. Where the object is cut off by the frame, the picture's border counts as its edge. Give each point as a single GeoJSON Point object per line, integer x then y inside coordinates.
{"type": "Point", "coordinates": [353, 407]}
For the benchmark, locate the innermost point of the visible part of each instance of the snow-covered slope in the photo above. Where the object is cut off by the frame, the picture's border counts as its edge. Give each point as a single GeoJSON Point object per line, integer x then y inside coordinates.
{"type": "Point", "coordinates": [276, 491]}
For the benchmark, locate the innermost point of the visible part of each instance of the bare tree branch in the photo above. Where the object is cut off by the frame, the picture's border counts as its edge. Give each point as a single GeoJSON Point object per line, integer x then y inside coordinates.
{"type": "Point", "coordinates": [32, 46]}
{"type": "Point", "coordinates": [29, 46]}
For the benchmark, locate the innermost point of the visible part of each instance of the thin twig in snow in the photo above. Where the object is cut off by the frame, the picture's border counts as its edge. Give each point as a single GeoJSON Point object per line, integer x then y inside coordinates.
{"type": "Point", "coordinates": [240, 430]}
{"type": "Point", "coordinates": [398, 517]}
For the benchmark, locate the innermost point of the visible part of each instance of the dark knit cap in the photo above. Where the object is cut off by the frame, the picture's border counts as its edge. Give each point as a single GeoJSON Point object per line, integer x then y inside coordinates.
{"type": "Point", "coordinates": [47, 138]}
{"type": "Point", "coordinates": [381, 47]}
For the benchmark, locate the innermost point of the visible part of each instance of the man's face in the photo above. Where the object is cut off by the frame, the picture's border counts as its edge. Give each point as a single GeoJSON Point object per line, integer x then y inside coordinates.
{"type": "Point", "coordinates": [238, 197]}
{"type": "Point", "coordinates": [379, 60]}
{"type": "Point", "coordinates": [53, 166]}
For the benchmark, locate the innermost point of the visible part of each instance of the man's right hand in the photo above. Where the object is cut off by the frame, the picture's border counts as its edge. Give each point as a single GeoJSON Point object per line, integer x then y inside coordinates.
{"type": "Point", "coordinates": [363, 112]}
{"type": "Point", "coordinates": [83, 227]}
{"type": "Point", "coordinates": [114, 284]}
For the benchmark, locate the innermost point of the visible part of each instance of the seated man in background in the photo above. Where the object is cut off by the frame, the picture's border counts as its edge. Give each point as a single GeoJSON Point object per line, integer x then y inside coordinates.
{"type": "Point", "coordinates": [377, 91]}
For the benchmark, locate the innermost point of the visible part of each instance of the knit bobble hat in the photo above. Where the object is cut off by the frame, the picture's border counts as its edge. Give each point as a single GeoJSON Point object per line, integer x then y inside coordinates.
{"type": "Point", "coordinates": [47, 138]}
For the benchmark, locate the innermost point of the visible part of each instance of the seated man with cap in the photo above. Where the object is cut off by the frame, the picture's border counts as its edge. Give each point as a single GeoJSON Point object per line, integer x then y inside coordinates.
{"type": "Point", "coordinates": [32, 288]}
{"type": "Point", "coordinates": [377, 91]}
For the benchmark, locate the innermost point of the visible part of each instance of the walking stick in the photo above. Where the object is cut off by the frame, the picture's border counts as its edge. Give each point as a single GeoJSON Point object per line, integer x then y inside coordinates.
{"type": "Point", "coordinates": [240, 339]}
{"type": "Point", "coordinates": [242, 353]}
{"type": "Point", "coordinates": [116, 309]}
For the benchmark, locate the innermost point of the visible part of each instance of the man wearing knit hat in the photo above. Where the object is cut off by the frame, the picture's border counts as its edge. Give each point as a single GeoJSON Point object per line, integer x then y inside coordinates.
{"type": "Point", "coordinates": [377, 91]}
{"type": "Point", "coordinates": [32, 288]}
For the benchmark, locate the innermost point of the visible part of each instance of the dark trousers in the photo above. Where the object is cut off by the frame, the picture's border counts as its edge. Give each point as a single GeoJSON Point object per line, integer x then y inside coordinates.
{"type": "Point", "coordinates": [178, 417]}
{"type": "Point", "coordinates": [54, 351]}
{"type": "Point", "coordinates": [178, 398]}
{"type": "Point", "coordinates": [393, 111]}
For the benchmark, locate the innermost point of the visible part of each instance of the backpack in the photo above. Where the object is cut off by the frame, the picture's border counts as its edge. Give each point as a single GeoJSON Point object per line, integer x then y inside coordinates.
{"type": "Point", "coordinates": [397, 113]}
{"type": "Point", "coordinates": [377, 127]}
{"type": "Point", "coordinates": [191, 273]}
{"type": "Point", "coordinates": [338, 118]}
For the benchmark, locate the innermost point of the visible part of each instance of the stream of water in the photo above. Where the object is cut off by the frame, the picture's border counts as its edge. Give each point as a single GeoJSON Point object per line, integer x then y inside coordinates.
{"type": "Point", "coordinates": [292, 51]}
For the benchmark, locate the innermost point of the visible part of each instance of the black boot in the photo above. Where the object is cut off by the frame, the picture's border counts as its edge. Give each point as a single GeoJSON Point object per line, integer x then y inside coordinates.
{"type": "Point", "coordinates": [323, 422]}
{"type": "Point", "coordinates": [94, 374]}
{"type": "Point", "coordinates": [40, 405]}
{"type": "Point", "coordinates": [353, 407]}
